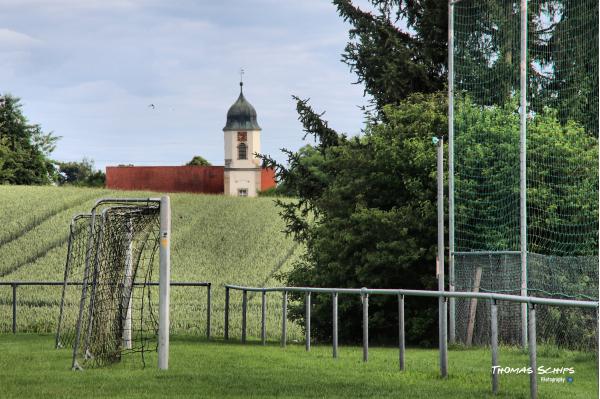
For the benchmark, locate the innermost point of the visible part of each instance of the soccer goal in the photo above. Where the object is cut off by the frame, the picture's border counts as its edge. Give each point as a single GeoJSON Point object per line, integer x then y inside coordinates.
{"type": "Point", "coordinates": [113, 256]}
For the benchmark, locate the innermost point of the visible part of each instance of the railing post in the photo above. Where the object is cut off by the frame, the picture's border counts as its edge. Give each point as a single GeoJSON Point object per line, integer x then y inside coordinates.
{"type": "Point", "coordinates": [14, 308]}
{"type": "Point", "coordinates": [208, 310]}
{"type": "Point", "coordinates": [284, 320]}
{"type": "Point", "coordinates": [263, 318]}
{"type": "Point", "coordinates": [307, 321]}
{"type": "Point", "coordinates": [244, 312]}
{"type": "Point", "coordinates": [401, 337]}
{"type": "Point", "coordinates": [365, 325]}
{"type": "Point", "coordinates": [532, 352]}
{"type": "Point", "coordinates": [494, 347]}
{"type": "Point", "coordinates": [226, 326]}
{"type": "Point", "coordinates": [335, 325]}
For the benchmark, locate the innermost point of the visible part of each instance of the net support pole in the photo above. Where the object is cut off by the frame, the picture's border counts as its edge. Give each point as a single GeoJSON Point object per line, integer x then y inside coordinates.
{"type": "Point", "coordinates": [523, 168]}
{"type": "Point", "coordinates": [451, 284]}
{"type": "Point", "coordinates": [443, 328]}
{"type": "Point", "coordinates": [164, 283]}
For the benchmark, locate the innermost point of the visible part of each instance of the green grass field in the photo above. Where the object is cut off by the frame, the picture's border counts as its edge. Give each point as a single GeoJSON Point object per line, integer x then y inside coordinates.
{"type": "Point", "coordinates": [215, 238]}
{"type": "Point", "coordinates": [32, 369]}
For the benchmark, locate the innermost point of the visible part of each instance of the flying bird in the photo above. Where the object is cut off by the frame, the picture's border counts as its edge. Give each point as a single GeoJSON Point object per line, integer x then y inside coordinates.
{"type": "Point", "coordinates": [151, 106]}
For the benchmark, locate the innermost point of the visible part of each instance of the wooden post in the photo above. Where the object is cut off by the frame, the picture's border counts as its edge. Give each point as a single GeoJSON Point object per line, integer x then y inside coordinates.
{"type": "Point", "coordinates": [473, 308]}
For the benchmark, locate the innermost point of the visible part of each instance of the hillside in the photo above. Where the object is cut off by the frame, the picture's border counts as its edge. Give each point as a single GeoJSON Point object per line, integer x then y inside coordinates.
{"type": "Point", "coordinates": [215, 238]}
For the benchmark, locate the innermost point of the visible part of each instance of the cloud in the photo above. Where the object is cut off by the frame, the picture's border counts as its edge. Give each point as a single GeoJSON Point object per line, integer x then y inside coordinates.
{"type": "Point", "coordinates": [13, 40]}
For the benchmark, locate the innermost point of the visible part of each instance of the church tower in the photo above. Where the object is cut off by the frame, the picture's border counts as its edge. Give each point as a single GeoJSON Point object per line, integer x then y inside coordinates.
{"type": "Point", "coordinates": [242, 142]}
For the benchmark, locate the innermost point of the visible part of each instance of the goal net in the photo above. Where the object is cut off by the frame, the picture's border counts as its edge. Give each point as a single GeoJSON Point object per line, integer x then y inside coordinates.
{"type": "Point", "coordinates": [542, 151]}
{"type": "Point", "coordinates": [114, 253]}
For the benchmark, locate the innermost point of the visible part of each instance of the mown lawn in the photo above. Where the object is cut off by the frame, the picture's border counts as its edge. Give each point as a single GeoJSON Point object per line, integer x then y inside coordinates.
{"type": "Point", "coordinates": [30, 368]}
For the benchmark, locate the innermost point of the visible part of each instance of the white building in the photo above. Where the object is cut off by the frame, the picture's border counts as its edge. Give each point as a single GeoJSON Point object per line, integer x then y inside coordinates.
{"type": "Point", "coordinates": [242, 143]}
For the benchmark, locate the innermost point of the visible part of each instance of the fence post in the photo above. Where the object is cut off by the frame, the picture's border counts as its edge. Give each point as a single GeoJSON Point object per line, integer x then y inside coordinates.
{"type": "Point", "coordinates": [307, 321]}
{"type": "Point", "coordinates": [494, 346]}
{"type": "Point", "coordinates": [284, 320]}
{"type": "Point", "coordinates": [226, 326]}
{"type": "Point", "coordinates": [14, 308]}
{"type": "Point", "coordinates": [401, 338]}
{"type": "Point", "coordinates": [244, 311]}
{"type": "Point", "coordinates": [335, 325]}
{"type": "Point", "coordinates": [532, 352]}
{"type": "Point", "coordinates": [365, 303]}
{"type": "Point", "coordinates": [208, 310]}
{"type": "Point", "coordinates": [263, 317]}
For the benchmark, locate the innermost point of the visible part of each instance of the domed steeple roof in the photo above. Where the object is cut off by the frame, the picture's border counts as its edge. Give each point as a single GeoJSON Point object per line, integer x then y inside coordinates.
{"type": "Point", "coordinates": [241, 115]}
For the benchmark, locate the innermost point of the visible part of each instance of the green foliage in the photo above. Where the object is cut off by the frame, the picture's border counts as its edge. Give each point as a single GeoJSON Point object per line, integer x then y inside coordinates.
{"type": "Point", "coordinates": [80, 174]}
{"type": "Point", "coordinates": [198, 161]}
{"type": "Point", "coordinates": [488, 149]}
{"type": "Point", "coordinates": [366, 206]}
{"type": "Point", "coordinates": [373, 203]}
{"type": "Point", "coordinates": [24, 148]}
{"type": "Point", "coordinates": [398, 48]}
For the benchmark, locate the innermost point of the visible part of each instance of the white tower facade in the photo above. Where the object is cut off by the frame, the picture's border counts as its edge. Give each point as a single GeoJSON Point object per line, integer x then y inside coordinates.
{"type": "Point", "coordinates": [242, 143]}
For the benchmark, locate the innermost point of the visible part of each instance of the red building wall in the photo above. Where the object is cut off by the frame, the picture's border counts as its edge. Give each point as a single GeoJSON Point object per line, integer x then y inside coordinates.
{"type": "Point", "coordinates": [267, 179]}
{"type": "Point", "coordinates": [172, 179]}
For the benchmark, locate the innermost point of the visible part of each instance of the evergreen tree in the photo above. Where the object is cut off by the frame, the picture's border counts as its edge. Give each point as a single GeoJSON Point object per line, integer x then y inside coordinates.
{"type": "Point", "coordinates": [24, 148]}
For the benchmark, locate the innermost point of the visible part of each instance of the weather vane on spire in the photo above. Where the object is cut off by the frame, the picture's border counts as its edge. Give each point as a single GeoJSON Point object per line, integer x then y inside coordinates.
{"type": "Point", "coordinates": [241, 79]}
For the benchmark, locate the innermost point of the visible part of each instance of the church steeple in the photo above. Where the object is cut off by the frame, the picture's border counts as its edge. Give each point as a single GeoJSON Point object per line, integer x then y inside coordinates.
{"type": "Point", "coordinates": [241, 115]}
{"type": "Point", "coordinates": [242, 142]}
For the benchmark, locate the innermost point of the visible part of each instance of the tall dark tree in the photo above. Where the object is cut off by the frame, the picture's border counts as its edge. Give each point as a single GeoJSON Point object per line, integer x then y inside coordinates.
{"type": "Point", "coordinates": [24, 147]}
{"type": "Point", "coordinates": [396, 48]}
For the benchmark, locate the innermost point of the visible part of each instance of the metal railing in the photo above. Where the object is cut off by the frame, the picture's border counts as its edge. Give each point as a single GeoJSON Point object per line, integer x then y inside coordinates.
{"type": "Point", "coordinates": [16, 284]}
{"type": "Point", "coordinates": [531, 303]}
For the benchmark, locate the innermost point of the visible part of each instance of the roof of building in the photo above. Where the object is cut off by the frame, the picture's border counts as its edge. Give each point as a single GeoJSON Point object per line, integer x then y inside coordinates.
{"type": "Point", "coordinates": [241, 115]}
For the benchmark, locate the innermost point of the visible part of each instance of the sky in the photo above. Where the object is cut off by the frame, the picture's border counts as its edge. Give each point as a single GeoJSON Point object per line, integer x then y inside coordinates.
{"type": "Point", "coordinates": [87, 70]}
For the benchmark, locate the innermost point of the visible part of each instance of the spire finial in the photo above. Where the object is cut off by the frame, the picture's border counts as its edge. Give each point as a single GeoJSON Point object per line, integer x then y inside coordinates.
{"type": "Point", "coordinates": [241, 79]}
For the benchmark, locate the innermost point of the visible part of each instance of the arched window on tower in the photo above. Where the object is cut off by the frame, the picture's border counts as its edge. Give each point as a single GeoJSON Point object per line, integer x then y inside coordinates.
{"type": "Point", "coordinates": [242, 151]}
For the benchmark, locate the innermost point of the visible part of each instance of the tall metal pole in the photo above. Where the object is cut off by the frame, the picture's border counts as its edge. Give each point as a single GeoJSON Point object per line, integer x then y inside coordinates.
{"type": "Point", "coordinates": [443, 328]}
{"type": "Point", "coordinates": [452, 326]}
{"type": "Point", "coordinates": [523, 169]}
{"type": "Point", "coordinates": [164, 287]}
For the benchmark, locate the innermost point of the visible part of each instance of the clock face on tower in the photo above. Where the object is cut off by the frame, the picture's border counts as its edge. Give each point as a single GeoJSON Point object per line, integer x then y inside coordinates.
{"type": "Point", "coordinates": [242, 136]}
